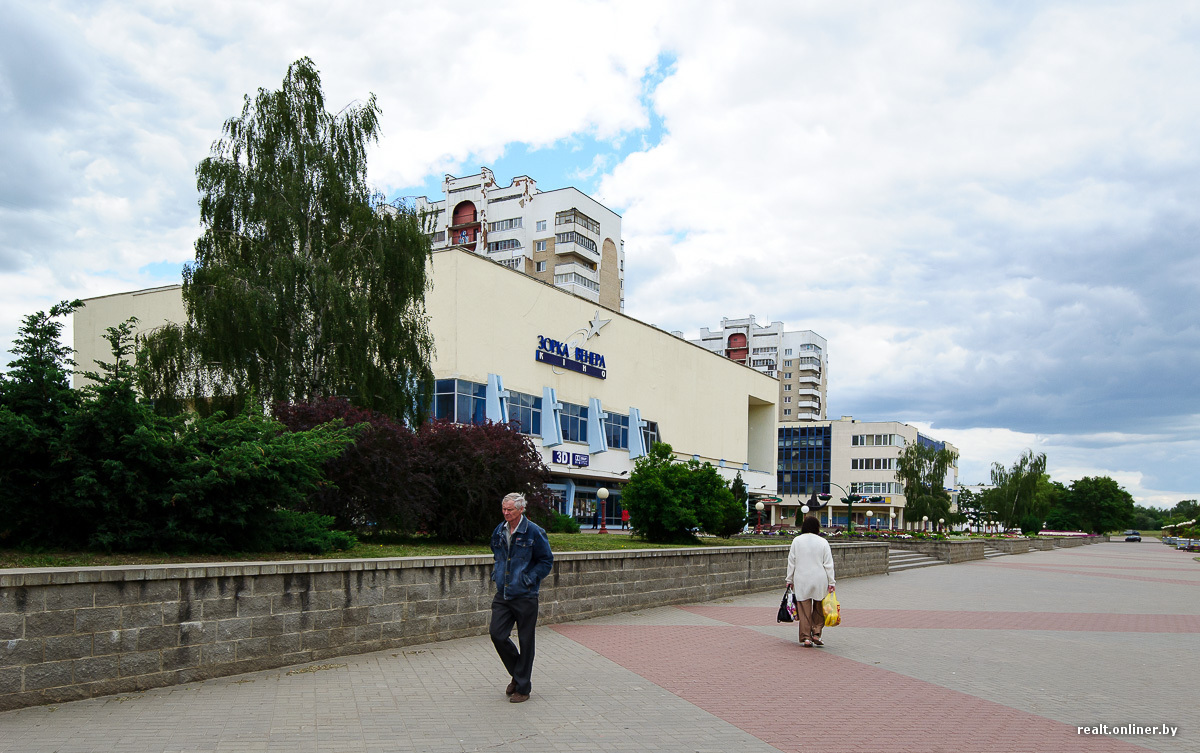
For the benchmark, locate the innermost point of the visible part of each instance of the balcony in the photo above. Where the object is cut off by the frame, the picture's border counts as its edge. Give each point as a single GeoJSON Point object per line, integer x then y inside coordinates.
{"type": "Point", "coordinates": [579, 269]}
{"type": "Point", "coordinates": [576, 249]}
{"type": "Point", "coordinates": [580, 290]}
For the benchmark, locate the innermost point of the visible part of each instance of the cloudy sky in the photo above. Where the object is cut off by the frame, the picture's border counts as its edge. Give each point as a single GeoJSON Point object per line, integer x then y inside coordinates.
{"type": "Point", "coordinates": [991, 210]}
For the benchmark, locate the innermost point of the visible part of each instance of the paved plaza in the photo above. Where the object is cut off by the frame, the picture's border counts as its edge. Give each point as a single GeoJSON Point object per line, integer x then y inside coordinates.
{"type": "Point", "coordinates": [1007, 654]}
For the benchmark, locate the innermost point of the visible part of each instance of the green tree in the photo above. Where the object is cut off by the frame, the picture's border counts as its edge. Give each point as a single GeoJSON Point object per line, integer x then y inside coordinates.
{"type": "Point", "coordinates": [305, 284]}
{"type": "Point", "coordinates": [1188, 509]}
{"type": "Point", "coordinates": [1101, 504]}
{"type": "Point", "coordinates": [667, 500]}
{"type": "Point", "coordinates": [741, 495]}
{"type": "Point", "coordinates": [118, 477]}
{"type": "Point", "coordinates": [1148, 518]}
{"type": "Point", "coordinates": [969, 510]}
{"type": "Point", "coordinates": [922, 470]}
{"type": "Point", "coordinates": [35, 403]}
{"type": "Point", "coordinates": [1017, 503]}
{"type": "Point", "coordinates": [1059, 515]}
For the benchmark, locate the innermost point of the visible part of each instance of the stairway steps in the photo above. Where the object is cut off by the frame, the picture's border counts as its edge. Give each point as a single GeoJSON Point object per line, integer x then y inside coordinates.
{"type": "Point", "coordinates": [901, 559]}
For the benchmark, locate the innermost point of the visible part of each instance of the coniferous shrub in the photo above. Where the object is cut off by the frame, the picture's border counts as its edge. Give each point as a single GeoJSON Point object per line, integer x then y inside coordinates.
{"type": "Point", "coordinates": [120, 478]}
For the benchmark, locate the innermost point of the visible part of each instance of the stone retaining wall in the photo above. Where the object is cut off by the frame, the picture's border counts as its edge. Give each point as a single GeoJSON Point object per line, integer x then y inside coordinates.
{"type": "Point", "coordinates": [67, 634]}
{"type": "Point", "coordinates": [947, 551]}
{"type": "Point", "coordinates": [1070, 541]}
{"type": "Point", "coordinates": [1009, 546]}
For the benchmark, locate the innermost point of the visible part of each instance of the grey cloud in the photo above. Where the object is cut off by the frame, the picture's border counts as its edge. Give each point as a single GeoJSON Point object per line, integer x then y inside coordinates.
{"type": "Point", "coordinates": [44, 82]}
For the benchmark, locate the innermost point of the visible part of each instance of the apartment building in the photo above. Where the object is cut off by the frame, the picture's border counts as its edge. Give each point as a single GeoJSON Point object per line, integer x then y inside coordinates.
{"type": "Point", "coordinates": [562, 236]}
{"type": "Point", "coordinates": [798, 359]}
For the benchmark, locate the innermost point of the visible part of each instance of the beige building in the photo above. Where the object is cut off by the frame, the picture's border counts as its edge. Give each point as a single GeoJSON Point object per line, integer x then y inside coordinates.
{"type": "Point", "coordinates": [153, 308]}
{"type": "Point", "coordinates": [589, 385]}
{"type": "Point", "coordinates": [562, 236]}
{"type": "Point", "coordinates": [846, 457]}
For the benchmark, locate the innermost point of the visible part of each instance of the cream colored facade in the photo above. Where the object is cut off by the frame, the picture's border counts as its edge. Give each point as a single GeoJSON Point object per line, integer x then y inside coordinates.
{"type": "Point", "coordinates": [153, 308]}
{"type": "Point", "coordinates": [848, 457]}
{"type": "Point", "coordinates": [488, 322]}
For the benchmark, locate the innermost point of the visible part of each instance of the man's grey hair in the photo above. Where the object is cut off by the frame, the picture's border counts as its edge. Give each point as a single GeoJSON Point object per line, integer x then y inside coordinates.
{"type": "Point", "coordinates": [518, 500]}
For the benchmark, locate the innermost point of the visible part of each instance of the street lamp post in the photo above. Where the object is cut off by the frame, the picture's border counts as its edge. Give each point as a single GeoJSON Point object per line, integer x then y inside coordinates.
{"type": "Point", "coordinates": [892, 523]}
{"type": "Point", "coordinates": [602, 495]}
{"type": "Point", "coordinates": [849, 501]}
{"type": "Point", "coordinates": [870, 514]}
{"type": "Point", "coordinates": [941, 524]}
{"type": "Point", "coordinates": [924, 523]}
{"type": "Point", "coordinates": [759, 507]}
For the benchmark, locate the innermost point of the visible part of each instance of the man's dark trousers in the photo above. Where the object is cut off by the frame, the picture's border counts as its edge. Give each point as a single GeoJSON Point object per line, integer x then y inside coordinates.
{"type": "Point", "coordinates": [505, 612]}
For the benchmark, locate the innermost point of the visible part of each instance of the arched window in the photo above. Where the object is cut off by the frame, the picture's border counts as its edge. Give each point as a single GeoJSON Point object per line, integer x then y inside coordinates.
{"type": "Point", "coordinates": [735, 347]}
{"type": "Point", "coordinates": [464, 214]}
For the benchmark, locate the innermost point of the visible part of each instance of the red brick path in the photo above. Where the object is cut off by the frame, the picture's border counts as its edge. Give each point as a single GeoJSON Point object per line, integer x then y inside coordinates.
{"type": "Point", "coordinates": [907, 619]}
{"type": "Point", "coordinates": [800, 699]}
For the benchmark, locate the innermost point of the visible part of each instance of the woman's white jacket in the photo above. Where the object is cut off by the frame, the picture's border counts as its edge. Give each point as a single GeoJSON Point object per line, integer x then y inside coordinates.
{"type": "Point", "coordinates": [810, 566]}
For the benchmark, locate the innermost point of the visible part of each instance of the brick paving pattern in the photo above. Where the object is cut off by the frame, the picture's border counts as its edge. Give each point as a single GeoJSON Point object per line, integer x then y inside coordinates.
{"type": "Point", "coordinates": [1010, 654]}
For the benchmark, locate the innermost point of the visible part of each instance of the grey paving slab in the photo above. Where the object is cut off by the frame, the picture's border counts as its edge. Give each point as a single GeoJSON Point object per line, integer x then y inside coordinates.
{"type": "Point", "coordinates": [684, 686]}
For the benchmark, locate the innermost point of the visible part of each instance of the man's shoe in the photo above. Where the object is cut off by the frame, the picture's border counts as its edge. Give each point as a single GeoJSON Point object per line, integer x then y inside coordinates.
{"type": "Point", "coordinates": [518, 698]}
{"type": "Point", "coordinates": [512, 688]}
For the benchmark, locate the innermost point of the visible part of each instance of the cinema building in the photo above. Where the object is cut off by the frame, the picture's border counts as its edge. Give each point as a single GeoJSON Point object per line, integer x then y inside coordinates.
{"type": "Point", "coordinates": [591, 387]}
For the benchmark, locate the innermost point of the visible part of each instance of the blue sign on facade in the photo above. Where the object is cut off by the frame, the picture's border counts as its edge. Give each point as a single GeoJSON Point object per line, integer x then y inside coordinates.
{"type": "Point", "coordinates": [570, 458]}
{"type": "Point", "coordinates": [562, 355]}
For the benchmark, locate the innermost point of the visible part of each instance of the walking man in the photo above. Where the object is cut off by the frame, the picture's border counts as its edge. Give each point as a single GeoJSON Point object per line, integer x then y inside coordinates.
{"type": "Point", "coordinates": [522, 559]}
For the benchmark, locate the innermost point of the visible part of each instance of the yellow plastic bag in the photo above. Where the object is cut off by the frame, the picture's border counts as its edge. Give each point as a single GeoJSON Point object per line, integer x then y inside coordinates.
{"type": "Point", "coordinates": [832, 609]}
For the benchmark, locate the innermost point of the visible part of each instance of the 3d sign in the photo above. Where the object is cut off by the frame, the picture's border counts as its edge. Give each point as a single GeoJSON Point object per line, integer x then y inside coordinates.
{"type": "Point", "coordinates": [569, 458]}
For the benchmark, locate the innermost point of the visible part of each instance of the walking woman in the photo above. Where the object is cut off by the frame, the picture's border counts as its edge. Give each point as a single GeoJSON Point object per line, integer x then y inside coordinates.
{"type": "Point", "coordinates": [810, 573]}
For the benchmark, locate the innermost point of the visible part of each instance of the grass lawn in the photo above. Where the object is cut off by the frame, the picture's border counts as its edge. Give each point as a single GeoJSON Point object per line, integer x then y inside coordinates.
{"type": "Point", "coordinates": [407, 546]}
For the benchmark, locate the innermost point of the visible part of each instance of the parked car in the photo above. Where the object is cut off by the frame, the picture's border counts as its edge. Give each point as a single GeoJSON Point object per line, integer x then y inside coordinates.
{"type": "Point", "coordinates": [1133, 536]}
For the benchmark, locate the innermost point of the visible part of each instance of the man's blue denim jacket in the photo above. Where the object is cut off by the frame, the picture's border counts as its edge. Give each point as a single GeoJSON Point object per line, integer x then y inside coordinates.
{"type": "Point", "coordinates": [520, 567]}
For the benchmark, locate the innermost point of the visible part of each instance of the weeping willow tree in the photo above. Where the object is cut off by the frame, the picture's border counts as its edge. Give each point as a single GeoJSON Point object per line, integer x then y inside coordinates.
{"type": "Point", "coordinates": [303, 285]}
{"type": "Point", "coordinates": [1016, 500]}
{"type": "Point", "coordinates": [922, 469]}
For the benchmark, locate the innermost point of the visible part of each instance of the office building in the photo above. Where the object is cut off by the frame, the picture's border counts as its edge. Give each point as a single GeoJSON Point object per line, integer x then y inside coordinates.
{"type": "Point", "coordinates": [846, 457]}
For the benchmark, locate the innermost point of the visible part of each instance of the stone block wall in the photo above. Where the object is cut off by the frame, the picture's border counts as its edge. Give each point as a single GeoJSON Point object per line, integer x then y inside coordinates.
{"type": "Point", "coordinates": [949, 552]}
{"type": "Point", "coordinates": [1009, 546]}
{"type": "Point", "coordinates": [67, 634]}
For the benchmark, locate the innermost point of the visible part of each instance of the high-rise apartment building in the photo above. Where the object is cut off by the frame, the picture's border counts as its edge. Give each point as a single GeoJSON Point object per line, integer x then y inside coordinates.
{"type": "Point", "coordinates": [563, 236]}
{"type": "Point", "coordinates": [798, 359]}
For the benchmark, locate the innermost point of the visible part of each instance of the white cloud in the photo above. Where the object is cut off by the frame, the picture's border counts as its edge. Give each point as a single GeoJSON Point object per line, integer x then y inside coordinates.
{"type": "Point", "coordinates": [989, 210]}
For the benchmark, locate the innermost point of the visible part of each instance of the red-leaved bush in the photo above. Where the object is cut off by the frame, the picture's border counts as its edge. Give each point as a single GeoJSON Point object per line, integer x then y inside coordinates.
{"type": "Point", "coordinates": [446, 479]}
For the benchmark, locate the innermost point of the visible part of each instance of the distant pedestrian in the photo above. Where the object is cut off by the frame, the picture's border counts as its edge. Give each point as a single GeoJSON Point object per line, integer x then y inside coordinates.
{"type": "Point", "coordinates": [522, 559]}
{"type": "Point", "coordinates": [596, 518]}
{"type": "Point", "coordinates": [810, 573]}
{"type": "Point", "coordinates": [624, 519]}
